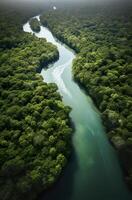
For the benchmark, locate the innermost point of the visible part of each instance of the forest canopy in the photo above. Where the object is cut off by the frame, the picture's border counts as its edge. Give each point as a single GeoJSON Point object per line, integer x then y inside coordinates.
{"type": "Point", "coordinates": [35, 133]}
{"type": "Point", "coordinates": [35, 139]}
{"type": "Point", "coordinates": [35, 25]}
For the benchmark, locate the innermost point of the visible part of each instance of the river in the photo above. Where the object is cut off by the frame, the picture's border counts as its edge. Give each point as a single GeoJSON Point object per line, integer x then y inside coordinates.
{"type": "Point", "coordinates": [93, 172]}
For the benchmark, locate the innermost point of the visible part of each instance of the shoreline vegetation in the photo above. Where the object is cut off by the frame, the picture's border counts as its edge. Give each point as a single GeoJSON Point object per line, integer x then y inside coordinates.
{"type": "Point", "coordinates": [35, 25]}
{"type": "Point", "coordinates": [103, 67]}
{"type": "Point", "coordinates": [36, 130]}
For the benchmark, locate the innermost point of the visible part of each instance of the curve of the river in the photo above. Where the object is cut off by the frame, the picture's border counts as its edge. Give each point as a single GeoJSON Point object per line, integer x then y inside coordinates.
{"type": "Point", "coordinates": [93, 173]}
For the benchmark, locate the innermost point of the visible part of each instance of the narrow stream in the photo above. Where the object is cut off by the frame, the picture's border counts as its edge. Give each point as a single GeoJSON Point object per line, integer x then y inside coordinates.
{"type": "Point", "coordinates": [93, 172]}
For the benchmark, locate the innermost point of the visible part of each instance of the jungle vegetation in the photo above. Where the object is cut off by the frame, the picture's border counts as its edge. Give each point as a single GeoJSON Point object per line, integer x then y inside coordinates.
{"type": "Point", "coordinates": [102, 39]}
{"type": "Point", "coordinates": [35, 131]}
{"type": "Point", "coordinates": [35, 25]}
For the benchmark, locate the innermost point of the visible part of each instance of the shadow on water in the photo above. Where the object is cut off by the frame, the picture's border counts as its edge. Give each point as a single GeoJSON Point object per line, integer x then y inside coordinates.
{"type": "Point", "coordinates": [63, 189]}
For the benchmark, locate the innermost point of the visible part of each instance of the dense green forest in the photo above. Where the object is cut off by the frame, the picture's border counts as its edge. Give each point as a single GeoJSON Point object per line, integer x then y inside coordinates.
{"type": "Point", "coordinates": [35, 131]}
{"type": "Point", "coordinates": [35, 25]}
{"type": "Point", "coordinates": [35, 128]}
{"type": "Point", "coordinates": [102, 39]}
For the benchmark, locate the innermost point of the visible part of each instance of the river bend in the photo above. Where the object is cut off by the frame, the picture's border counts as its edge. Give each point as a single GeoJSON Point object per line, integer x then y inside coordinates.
{"type": "Point", "coordinates": [93, 173]}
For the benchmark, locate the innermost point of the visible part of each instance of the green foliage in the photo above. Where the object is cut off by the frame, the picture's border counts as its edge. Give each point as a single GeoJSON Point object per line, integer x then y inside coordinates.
{"type": "Point", "coordinates": [33, 118]}
{"type": "Point", "coordinates": [34, 23]}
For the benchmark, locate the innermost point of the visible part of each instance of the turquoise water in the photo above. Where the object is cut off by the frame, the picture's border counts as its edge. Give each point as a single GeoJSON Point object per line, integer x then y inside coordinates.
{"type": "Point", "coordinates": [93, 173]}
